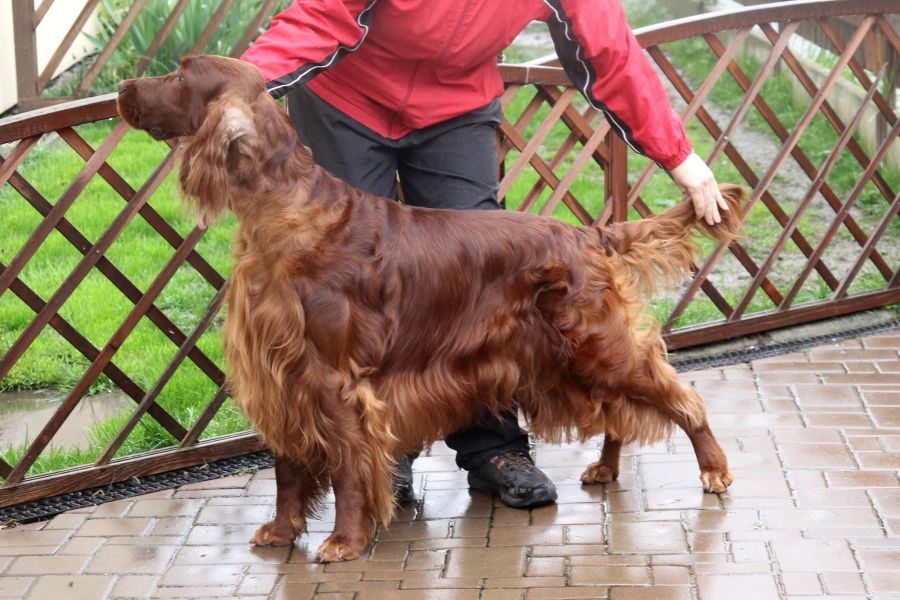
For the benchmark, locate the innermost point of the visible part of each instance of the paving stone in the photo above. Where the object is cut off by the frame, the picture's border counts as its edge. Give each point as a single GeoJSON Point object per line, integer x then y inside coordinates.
{"type": "Point", "coordinates": [486, 562]}
{"type": "Point", "coordinates": [14, 587]}
{"type": "Point", "coordinates": [136, 559]}
{"type": "Point", "coordinates": [135, 586]}
{"type": "Point", "coordinates": [809, 555]}
{"type": "Point", "coordinates": [47, 565]}
{"type": "Point", "coordinates": [649, 538]}
{"type": "Point", "coordinates": [72, 587]}
{"type": "Point", "coordinates": [611, 575]}
{"type": "Point", "coordinates": [728, 587]}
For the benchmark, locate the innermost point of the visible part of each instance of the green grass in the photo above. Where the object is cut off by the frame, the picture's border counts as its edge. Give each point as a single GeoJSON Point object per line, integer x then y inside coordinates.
{"type": "Point", "coordinates": [97, 308]}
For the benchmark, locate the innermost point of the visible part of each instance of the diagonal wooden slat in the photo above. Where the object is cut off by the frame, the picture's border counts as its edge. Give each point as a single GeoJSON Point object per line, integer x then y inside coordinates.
{"type": "Point", "coordinates": [147, 212]}
{"type": "Point", "coordinates": [806, 164]}
{"type": "Point", "coordinates": [804, 203]}
{"type": "Point", "coordinates": [544, 171]}
{"type": "Point", "coordinates": [529, 154]}
{"type": "Point", "coordinates": [84, 266]}
{"type": "Point", "coordinates": [829, 112]}
{"type": "Point", "coordinates": [859, 72]}
{"type": "Point", "coordinates": [889, 33]}
{"type": "Point", "coordinates": [15, 158]}
{"type": "Point", "coordinates": [107, 268]}
{"type": "Point", "coordinates": [752, 92]}
{"type": "Point", "coordinates": [696, 100]}
{"type": "Point", "coordinates": [62, 205]}
{"type": "Point", "coordinates": [148, 400]}
{"type": "Point", "coordinates": [40, 12]}
{"type": "Point", "coordinates": [586, 153]}
{"type": "Point", "coordinates": [843, 213]}
{"type": "Point", "coordinates": [880, 229]}
{"type": "Point", "coordinates": [5, 469]}
{"type": "Point", "coordinates": [214, 21]}
{"type": "Point", "coordinates": [581, 130]}
{"type": "Point", "coordinates": [90, 352]}
{"type": "Point", "coordinates": [253, 28]}
{"type": "Point", "coordinates": [161, 36]}
{"type": "Point", "coordinates": [106, 354]}
{"type": "Point", "coordinates": [521, 123]}
{"type": "Point", "coordinates": [895, 280]}
{"type": "Point", "coordinates": [206, 417]}
{"type": "Point", "coordinates": [110, 47]}
{"type": "Point", "coordinates": [534, 144]}
{"type": "Point", "coordinates": [63, 47]}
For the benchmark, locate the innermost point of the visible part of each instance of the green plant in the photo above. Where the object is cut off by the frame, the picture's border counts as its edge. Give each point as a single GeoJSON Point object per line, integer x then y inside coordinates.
{"type": "Point", "coordinates": [180, 41]}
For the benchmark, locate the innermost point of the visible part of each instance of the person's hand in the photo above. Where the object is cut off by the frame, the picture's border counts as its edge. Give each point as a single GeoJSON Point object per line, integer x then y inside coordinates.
{"type": "Point", "coordinates": [698, 182]}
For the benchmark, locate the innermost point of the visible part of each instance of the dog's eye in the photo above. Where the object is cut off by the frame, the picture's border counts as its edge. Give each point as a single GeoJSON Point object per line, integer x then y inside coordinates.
{"type": "Point", "coordinates": [179, 77]}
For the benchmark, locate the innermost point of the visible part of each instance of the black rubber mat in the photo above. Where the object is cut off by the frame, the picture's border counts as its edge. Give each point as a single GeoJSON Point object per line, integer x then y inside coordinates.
{"type": "Point", "coordinates": [136, 486]}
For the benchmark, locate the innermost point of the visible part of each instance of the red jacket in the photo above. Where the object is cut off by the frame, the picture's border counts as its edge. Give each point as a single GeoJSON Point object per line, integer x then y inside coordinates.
{"type": "Point", "coordinates": [400, 65]}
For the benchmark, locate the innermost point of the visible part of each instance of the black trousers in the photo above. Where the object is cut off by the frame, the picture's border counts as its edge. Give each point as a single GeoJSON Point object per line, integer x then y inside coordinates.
{"type": "Point", "coordinates": [452, 164]}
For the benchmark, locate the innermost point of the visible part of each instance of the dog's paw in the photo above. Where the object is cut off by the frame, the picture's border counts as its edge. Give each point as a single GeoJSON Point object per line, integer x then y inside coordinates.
{"type": "Point", "coordinates": [335, 549]}
{"type": "Point", "coordinates": [598, 473]}
{"type": "Point", "coordinates": [716, 481]}
{"type": "Point", "coordinates": [276, 533]}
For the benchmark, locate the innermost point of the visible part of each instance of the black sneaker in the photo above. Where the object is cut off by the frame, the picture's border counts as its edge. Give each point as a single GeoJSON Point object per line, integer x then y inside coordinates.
{"type": "Point", "coordinates": [514, 477]}
{"type": "Point", "coordinates": [403, 481]}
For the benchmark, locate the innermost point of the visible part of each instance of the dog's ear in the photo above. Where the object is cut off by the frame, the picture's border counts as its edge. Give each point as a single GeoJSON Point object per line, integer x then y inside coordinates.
{"type": "Point", "coordinates": [211, 167]}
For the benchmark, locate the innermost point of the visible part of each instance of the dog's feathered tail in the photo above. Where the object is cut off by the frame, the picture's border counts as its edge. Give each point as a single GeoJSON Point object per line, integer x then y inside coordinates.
{"type": "Point", "coordinates": [660, 249]}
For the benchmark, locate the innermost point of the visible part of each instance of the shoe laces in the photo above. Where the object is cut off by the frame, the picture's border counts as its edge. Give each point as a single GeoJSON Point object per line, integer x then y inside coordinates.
{"type": "Point", "coordinates": [512, 459]}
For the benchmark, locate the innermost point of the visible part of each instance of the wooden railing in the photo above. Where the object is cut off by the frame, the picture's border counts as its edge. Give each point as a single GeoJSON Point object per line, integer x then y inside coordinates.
{"type": "Point", "coordinates": [559, 158]}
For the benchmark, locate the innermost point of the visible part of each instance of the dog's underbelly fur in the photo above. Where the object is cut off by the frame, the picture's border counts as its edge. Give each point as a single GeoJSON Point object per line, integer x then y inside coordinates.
{"type": "Point", "coordinates": [549, 349]}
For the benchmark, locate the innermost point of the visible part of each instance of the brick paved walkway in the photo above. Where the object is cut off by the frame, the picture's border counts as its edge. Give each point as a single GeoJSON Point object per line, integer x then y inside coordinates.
{"type": "Point", "coordinates": [813, 439]}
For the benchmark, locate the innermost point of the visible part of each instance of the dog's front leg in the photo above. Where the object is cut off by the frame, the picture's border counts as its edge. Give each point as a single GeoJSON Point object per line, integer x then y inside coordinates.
{"type": "Point", "coordinates": [353, 518]}
{"type": "Point", "coordinates": [297, 491]}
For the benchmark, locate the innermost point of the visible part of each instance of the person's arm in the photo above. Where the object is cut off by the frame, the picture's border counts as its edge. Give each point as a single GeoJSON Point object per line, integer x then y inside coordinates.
{"type": "Point", "coordinates": [306, 38]}
{"type": "Point", "coordinates": [604, 60]}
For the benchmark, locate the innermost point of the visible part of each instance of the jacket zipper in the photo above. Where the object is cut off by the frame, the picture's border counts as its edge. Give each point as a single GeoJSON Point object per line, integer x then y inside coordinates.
{"type": "Point", "coordinates": [400, 107]}
{"type": "Point", "coordinates": [414, 70]}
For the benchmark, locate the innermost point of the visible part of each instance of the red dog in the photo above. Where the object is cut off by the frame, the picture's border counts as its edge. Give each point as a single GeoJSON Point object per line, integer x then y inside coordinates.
{"type": "Point", "coordinates": [359, 329]}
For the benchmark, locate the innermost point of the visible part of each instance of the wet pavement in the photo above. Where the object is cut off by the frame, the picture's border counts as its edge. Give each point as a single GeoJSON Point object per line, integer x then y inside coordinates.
{"type": "Point", "coordinates": [814, 443]}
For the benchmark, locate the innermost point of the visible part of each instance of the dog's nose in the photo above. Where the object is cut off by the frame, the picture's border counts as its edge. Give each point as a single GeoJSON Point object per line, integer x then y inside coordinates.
{"type": "Point", "coordinates": [121, 87]}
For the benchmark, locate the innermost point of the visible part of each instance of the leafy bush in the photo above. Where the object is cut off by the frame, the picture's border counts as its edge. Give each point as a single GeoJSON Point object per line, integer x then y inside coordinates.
{"type": "Point", "coordinates": [180, 41]}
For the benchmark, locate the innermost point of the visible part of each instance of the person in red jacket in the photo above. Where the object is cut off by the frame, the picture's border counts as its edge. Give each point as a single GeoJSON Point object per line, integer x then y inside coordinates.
{"type": "Point", "coordinates": [408, 90]}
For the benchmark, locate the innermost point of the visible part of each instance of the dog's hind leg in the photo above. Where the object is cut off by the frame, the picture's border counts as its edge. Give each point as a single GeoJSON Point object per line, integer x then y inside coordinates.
{"type": "Point", "coordinates": [607, 468]}
{"type": "Point", "coordinates": [297, 493]}
{"type": "Point", "coordinates": [657, 383]}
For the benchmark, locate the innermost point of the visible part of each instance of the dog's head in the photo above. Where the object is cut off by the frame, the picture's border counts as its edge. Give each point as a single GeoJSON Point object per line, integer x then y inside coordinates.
{"type": "Point", "coordinates": [236, 134]}
{"type": "Point", "coordinates": [177, 104]}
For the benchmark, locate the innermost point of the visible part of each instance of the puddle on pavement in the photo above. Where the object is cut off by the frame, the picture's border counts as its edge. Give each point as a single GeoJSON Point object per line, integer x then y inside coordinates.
{"type": "Point", "coordinates": [24, 414]}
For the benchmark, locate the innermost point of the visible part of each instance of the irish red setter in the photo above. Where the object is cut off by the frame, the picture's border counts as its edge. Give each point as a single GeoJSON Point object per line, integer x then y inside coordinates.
{"type": "Point", "coordinates": [359, 329]}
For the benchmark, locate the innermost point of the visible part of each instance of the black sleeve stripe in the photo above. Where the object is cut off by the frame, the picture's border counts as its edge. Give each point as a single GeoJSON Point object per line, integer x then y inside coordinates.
{"type": "Point", "coordinates": [282, 85]}
{"type": "Point", "coordinates": [580, 71]}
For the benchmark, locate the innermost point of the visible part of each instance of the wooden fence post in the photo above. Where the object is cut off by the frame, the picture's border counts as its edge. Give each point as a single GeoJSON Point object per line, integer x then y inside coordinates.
{"type": "Point", "coordinates": [26, 50]}
{"type": "Point", "coordinates": [617, 177]}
